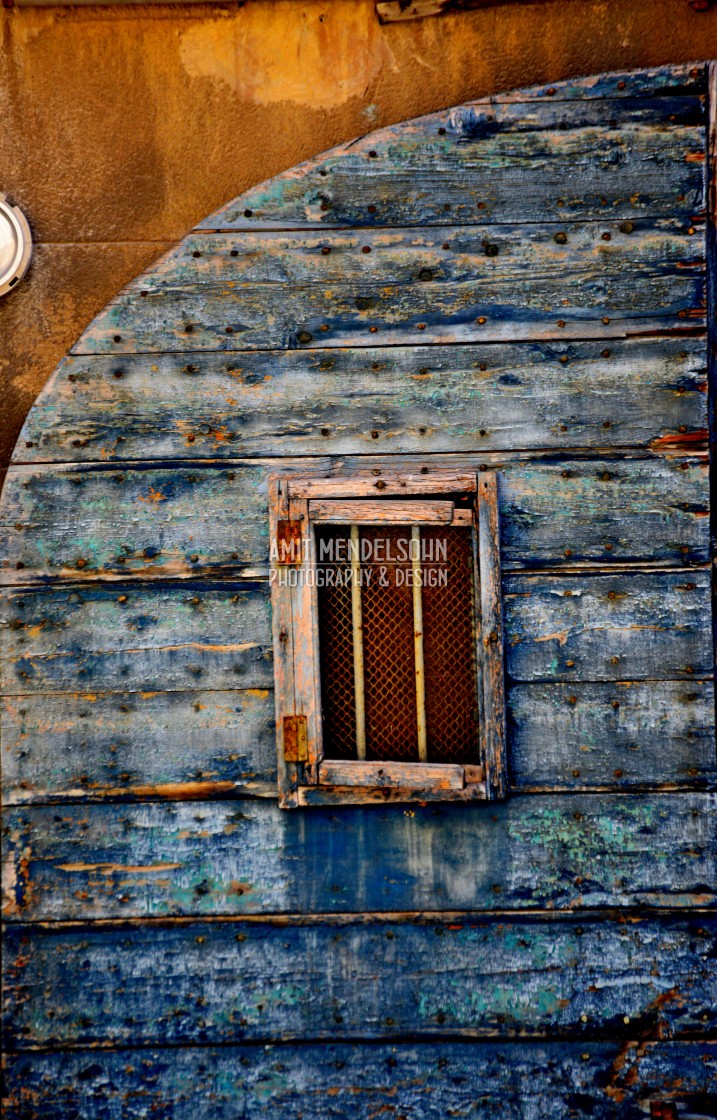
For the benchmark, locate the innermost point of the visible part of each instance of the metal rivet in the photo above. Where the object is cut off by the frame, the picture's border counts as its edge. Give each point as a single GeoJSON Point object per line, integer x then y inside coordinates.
{"type": "Point", "coordinates": [372, 155]}
{"type": "Point", "coordinates": [304, 336]}
{"type": "Point", "coordinates": [117, 338]}
{"type": "Point", "coordinates": [614, 660]}
{"type": "Point", "coordinates": [568, 552]}
{"type": "Point", "coordinates": [606, 237]}
{"type": "Point", "coordinates": [609, 547]}
{"type": "Point", "coordinates": [605, 320]}
{"type": "Point", "coordinates": [380, 485]}
{"type": "Point", "coordinates": [445, 245]}
{"type": "Point", "coordinates": [324, 206]}
{"type": "Point", "coordinates": [550, 92]}
{"type": "Point", "coordinates": [563, 358]}
{"type": "Point", "coordinates": [229, 330]}
{"type": "Point", "coordinates": [248, 213]}
{"type": "Point", "coordinates": [576, 773]}
{"type": "Point", "coordinates": [194, 559]}
{"type": "Point", "coordinates": [365, 248]}
{"type": "Point", "coordinates": [196, 253]}
{"type": "Point", "coordinates": [326, 250]}
{"type": "Point", "coordinates": [572, 699]}
{"type": "Point", "coordinates": [372, 209]}
{"type": "Point", "coordinates": [605, 353]}
{"type": "Point", "coordinates": [569, 664]}
{"type": "Point", "coordinates": [561, 322]}
{"type": "Point", "coordinates": [191, 439]}
{"type": "Point", "coordinates": [233, 252]}
{"type": "Point", "coordinates": [374, 435]}
{"type": "Point", "coordinates": [618, 774]}
{"type": "Point", "coordinates": [188, 328]}
{"type": "Point", "coordinates": [325, 431]}
{"type": "Point", "coordinates": [560, 238]}
{"type": "Point", "coordinates": [372, 330]}
{"type": "Point", "coordinates": [81, 563]}
{"type": "Point", "coordinates": [481, 319]}
{"type": "Point", "coordinates": [626, 227]}
{"type": "Point", "coordinates": [620, 85]}
{"type": "Point", "coordinates": [441, 132]}
{"type": "Point", "coordinates": [606, 424]}
{"type": "Point", "coordinates": [421, 326]}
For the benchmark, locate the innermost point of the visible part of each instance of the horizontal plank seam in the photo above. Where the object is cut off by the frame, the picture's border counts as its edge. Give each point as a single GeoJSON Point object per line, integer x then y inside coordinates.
{"type": "Point", "coordinates": [518, 1042]}
{"type": "Point", "coordinates": [241, 794]}
{"type": "Point", "coordinates": [603, 1034]}
{"type": "Point", "coordinates": [318, 227]}
{"type": "Point", "coordinates": [667, 332]}
{"type": "Point", "coordinates": [637, 452]}
{"type": "Point", "coordinates": [282, 919]}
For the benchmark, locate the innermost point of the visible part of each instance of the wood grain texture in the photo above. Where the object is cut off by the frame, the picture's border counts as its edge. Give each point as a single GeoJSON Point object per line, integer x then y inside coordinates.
{"type": "Point", "coordinates": [416, 775]}
{"type": "Point", "coordinates": [126, 637]}
{"type": "Point", "coordinates": [528, 852]}
{"type": "Point", "coordinates": [622, 734]}
{"type": "Point", "coordinates": [387, 512]}
{"type": "Point", "coordinates": [194, 519]}
{"type": "Point", "coordinates": [328, 1081]}
{"type": "Point", "coordinates": [138, 744]}
{"type": "Point", "coordinates": [120, 637]}
{"type": "Point", "coordinates": [492, 730]}
{"type": "Point", "coordinates": [495, 163]}
{"type": "Point", "coordinates": [645, 627]}
{"type": "Point", "coordinates": [192, 745]}
{"type": "Point", "coordinates": [606, 279]}
{"type": "Point", "coordinates": [230, 982]}
{"type": "Point", "coordinates": [470, 398]}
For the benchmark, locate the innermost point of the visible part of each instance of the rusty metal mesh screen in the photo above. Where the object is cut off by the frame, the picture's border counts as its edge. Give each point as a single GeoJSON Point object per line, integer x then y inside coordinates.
{"type": "Point", "coordinates": [449, 647]}
{"type": "Point", "coordinates": [336, 653]}
{"type": "Point", "coordinates": [389, 669]}
{"type": "Point", "coordinates": [388, 646]}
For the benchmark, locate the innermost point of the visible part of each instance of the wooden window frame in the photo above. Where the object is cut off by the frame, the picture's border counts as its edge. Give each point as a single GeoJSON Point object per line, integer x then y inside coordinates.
{"type": "Point", "coordinates": [296, 504]}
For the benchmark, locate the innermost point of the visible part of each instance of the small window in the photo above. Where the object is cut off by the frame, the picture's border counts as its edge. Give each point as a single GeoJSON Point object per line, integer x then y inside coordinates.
{"type": "Point", "coordinates": [387, 638]}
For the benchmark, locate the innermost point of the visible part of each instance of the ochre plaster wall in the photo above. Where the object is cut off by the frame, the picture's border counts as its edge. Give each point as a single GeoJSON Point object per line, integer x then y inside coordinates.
{"type": "Point", "coordinates": [122, 126]}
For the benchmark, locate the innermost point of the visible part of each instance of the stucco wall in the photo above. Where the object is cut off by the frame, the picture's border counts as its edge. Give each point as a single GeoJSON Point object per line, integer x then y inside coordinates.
{"type": "Point", "coordinates": [122, 126]}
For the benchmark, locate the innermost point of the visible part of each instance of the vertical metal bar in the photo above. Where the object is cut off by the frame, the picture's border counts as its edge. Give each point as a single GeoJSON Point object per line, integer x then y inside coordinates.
{"type": "Point", "coordinates": [418, 643]}
{"type": "Point", "coordinates": [357, 626]}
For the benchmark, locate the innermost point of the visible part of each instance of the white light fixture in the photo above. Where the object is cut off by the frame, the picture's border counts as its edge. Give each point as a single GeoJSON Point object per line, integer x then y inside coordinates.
{"type": "Point", "coordinates": [15, 246]}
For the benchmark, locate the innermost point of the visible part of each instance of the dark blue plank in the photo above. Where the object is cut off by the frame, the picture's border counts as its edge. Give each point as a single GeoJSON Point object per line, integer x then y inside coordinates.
{"type": "Point", "coordinates": [421, 1080]}
{"type": "Point", "coordinates": [250, 857]}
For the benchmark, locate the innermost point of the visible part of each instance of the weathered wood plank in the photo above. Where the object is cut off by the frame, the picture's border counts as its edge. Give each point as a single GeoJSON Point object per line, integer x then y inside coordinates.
{"type": "Point", "coordinates": [122, 637]}
{"type": "Point", "coordinates": [582, 302]}
{"type": "Point", "coordinates": [471, 398]}
{"type": "Point", "coordinates": [647, 247]}
{"type": "Point", "coordinates": [138, 744]}
{"type": "Point", "coordinates": [195, 745]}
{"type": "Point", "coordinates": [218, 982]}
{"type": "Point", "coordinates": [528, 852]}
{"type": "Point", "coordinates": [623, 734]}
{"type": "Point", "coordinates": [125, 637]}
{"type": "Point", "coordinates": [203, 519]}
{"type": "Point", "coordinates": [495, 163]}
{"type": "Point", "coordinates": [329, 1081]}
{"type": "Point", "coordinates": [603, 628]}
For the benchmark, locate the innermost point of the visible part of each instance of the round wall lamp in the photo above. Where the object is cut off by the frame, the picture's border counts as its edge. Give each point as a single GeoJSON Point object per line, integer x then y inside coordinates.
{"type": "Point", "coordinates": [15, 246]}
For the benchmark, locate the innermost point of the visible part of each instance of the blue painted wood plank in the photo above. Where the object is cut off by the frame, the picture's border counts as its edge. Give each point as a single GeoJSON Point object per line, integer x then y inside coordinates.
{"type": "Point", "coordinates": [209, 744]}
{"type": "Point", "coordinates": [250, 857]}
{"type": "Point", "coordinates": [330, 1081]}
{"type": "Point", "coordinates": [314, 402]}
{"type": "Point", "coordinates": [482, 163]}
{"type": "Point", "coordinates": [230, 982]}
{"type": "Point", "coordinates": [187, 635]}
{"type": "Point", "coordinates": [206, 519]}
{"type": "Point", "coordinates": [606, 279]}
